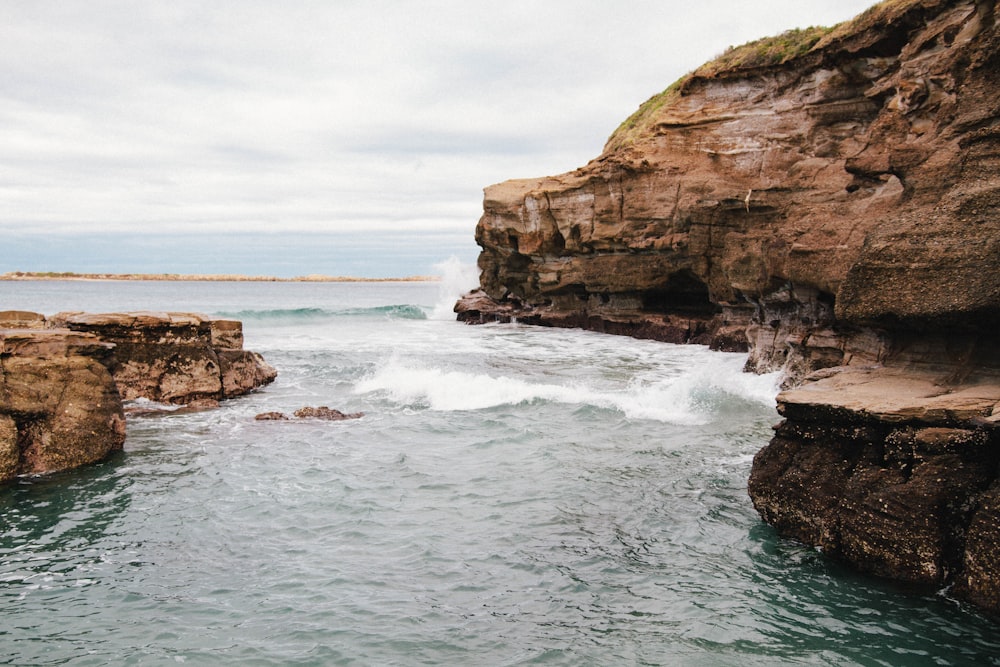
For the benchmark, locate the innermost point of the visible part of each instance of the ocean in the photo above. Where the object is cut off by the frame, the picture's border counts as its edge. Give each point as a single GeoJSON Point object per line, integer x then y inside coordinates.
{"type": "Point", "coordinates": [512, 496]}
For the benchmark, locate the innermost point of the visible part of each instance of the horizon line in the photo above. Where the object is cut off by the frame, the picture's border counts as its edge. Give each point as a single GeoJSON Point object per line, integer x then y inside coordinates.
{"type": "Point", "coordinates": [204, 277]}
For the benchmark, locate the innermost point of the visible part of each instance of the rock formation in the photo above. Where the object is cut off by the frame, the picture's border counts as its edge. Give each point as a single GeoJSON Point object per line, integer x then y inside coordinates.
{"type": "Point", "coordinates": [177, 358]}
{"type": "Point", "coordinates": [322, 412]}
{"type": "Point", "coordinates": [827, 200]}
{"type": "Point", "coordinates": [59, 407]}
{"type": "Point", "coordinates": [63, 379]}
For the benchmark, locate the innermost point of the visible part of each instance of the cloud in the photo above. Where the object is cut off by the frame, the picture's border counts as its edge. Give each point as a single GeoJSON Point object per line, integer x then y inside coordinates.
{"type": "Point", "coordinates": [341, 116]}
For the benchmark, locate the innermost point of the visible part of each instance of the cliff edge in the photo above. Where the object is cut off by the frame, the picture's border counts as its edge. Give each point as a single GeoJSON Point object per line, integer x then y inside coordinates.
{"type": "Point", "coordinates": [826, 200]}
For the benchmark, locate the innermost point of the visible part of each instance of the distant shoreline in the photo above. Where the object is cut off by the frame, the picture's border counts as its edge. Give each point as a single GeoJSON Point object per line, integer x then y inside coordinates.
{"type": "Point", "coordinates": [211, 277]}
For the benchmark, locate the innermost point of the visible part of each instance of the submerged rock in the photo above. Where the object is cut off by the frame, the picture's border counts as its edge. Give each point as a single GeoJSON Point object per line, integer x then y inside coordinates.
{"type": "Point", "coordinates": [322, 412]}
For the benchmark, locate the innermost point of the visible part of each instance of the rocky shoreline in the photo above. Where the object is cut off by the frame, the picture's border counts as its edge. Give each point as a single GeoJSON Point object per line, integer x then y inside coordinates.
{"type": "Point", "coordinates": [827, 201]}
{"type": "Point", "coordinates": [63, 379]}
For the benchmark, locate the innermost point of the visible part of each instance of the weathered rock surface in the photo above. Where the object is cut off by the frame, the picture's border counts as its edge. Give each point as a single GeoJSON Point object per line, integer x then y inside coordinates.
{"type": "Point", "coordinates": [63, 379]}
{"type": "Point", "coordinates": [832, 206]}
{"type": "Point", "coordinates": [322, 412]}
{"type": "Point", "coordinates": [813, 208]}
{"type": "Point", "coordinates": [175, 357]}
{"type": "Point", "coordinates": [889, 470]}
{"type": "Point", "coordinates": [59, 407]}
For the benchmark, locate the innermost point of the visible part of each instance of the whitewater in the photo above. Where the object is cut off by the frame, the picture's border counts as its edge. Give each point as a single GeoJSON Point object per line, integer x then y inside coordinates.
{"type": "Point", "coordinates": [513, 495]}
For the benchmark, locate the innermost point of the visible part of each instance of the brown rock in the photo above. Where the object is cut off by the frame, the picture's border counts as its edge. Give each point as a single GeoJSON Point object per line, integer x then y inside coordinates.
{"type": "Point", "coordinates": [321, 412]}
{"type": "Point", "coordinates": [59, 407]}
{"type": "Point", "coordinates": [175, 357]}
{"type": "Point", "coordinates": [21, 319]}
{"type": "Point", "coordinates": [833, 201]}
{"type": "Point", "coordinates": [834, 209]}
{"type": "Point", "coordinates": [884, 468]}
{"type": "Point", "coordinates": [326, 413]}
{"type": "Point", "coordinates": [271, 416]}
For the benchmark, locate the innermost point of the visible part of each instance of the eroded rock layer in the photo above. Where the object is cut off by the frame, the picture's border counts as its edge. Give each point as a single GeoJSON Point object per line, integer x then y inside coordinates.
{"type": "Point", "coordinates": [63, 379]}
{"type": "Point", "coordinates": [828, 201]}
{"type": "Point", "coordinates": [175, 358]}
{"type": "Point", "coordinates": [59, 407]}
{"type": "Point", "coordinates": [810, 209]}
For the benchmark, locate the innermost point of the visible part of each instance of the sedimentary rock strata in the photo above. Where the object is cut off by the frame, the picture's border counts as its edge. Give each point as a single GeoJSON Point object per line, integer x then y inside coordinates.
{"type": "Point", "coordinates": [829, 201]}
{"type": "Point", "coordinates": [59, 407]}
{"type": "Point", "coordinates": [63, 379]}
{"type": "Point", "coordinates": [814, 208]}
{"type": "Point", "coordinates": [174, 357]}
{"type": "Point", "coordinates": [889, 470]}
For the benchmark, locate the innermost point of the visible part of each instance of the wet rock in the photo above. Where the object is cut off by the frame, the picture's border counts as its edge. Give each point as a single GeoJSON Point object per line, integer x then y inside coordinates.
{"type": "Point", "coordinates": [271, 416]}
{"type": "Point", "coordinates": [321, 412]}
{"type": "Point", "coordinates": [891, 472]}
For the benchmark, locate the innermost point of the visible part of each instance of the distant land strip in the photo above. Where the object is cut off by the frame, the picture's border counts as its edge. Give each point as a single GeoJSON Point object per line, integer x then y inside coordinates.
{"type": "Point", "coordinates": [217, 277]}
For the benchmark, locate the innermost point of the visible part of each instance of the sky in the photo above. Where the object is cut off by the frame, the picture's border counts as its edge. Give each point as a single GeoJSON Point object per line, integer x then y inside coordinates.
{"type": "Point", "coordinates": [338, 137]}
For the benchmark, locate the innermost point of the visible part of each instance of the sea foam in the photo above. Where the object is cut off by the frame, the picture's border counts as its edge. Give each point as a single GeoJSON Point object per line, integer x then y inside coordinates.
{"type": "Point", "coordinates": [688, 397]}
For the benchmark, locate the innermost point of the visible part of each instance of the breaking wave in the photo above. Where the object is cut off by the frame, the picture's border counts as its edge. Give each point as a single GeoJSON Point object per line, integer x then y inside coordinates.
{"type": "Point", "coordinates": [292, 316]}
{"type": "Point", "coordinates": [689, 398]}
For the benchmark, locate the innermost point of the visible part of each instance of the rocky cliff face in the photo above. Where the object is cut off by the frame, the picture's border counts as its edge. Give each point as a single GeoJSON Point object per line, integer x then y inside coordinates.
{"type": "Point", "coordinates": [63, 379]}
{"type": "Point", "coordinates": [816, 211]}
{"type": "Point", "coordinates": [828, 201]}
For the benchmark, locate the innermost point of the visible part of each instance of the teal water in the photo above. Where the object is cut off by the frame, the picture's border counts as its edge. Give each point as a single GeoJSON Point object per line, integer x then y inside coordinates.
{"type": "Point", "coordinates": [513, 496]}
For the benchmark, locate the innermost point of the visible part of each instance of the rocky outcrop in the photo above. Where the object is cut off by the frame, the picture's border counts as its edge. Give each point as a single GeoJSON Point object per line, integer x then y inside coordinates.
{"type": "Point", "coordinates": [892, 471]}
{"type": "Point", "coordinates": [177, 358]}
{"type": "Point", "coordinates": [59, 407]}
{"type": "Point", "coordinates": [322, 412]}
{"type": "Point", "coordinates": [827, 200]}
{"type": "Point", "coordinates": [63, 379]}
{"type": "Point", "coordinates": [814, 207]}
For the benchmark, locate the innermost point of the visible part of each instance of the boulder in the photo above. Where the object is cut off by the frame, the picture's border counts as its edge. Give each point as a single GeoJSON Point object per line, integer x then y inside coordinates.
{"type": "Point", "coordinates": [322, 412]}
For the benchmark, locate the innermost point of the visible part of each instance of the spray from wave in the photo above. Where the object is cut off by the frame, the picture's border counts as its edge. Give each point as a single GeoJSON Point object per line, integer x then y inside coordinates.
{"type": "Point", "coordinates": [457, 278]}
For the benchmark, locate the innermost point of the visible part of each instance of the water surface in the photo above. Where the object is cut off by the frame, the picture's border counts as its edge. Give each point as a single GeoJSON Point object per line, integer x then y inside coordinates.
{"type": "Point", "coordinates": [513, 496]}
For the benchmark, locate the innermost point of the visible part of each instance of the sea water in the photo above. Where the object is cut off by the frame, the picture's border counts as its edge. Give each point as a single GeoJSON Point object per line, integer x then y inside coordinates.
{"type": "Point", "coordinates": [512, 496]}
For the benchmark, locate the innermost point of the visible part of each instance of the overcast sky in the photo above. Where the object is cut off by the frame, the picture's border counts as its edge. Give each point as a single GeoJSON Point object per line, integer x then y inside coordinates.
{"type": "Point", "coordinates": [189, 117]}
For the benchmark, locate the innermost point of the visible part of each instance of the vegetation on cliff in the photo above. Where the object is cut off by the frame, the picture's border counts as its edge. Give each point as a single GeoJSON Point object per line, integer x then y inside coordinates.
{"type": "Point", "coordinates": [774, 51]}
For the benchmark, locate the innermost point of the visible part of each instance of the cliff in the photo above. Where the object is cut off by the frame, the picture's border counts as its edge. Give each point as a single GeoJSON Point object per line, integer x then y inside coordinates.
{"type": "Point", "coordinates": [63, 379]}
{"type": "Point", "coordinates": [826, 200]}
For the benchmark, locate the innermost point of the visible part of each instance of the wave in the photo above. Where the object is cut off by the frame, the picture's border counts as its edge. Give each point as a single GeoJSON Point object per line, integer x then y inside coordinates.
{"type": "Point", "coordinates": [300, 315]}
{"type": "Point", "coordinates": [457, 278]}
{"type": "Point", "coordinates": [690, 398]}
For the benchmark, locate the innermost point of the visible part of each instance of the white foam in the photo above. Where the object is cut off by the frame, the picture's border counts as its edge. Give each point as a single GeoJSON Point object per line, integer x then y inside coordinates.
{"type": "Point", "coordinates": [456, 279]}
{"type": "Point", "coordinates": [692, 396]}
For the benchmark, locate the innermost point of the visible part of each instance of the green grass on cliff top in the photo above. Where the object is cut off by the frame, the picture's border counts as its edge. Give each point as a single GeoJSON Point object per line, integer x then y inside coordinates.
{"type": "Point", "coordinates": [761, 53]}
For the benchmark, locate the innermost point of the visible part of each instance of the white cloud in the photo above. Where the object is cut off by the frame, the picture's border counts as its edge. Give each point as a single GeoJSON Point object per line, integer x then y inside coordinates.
{"type": "Point", "coordinates": [328, 116]}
